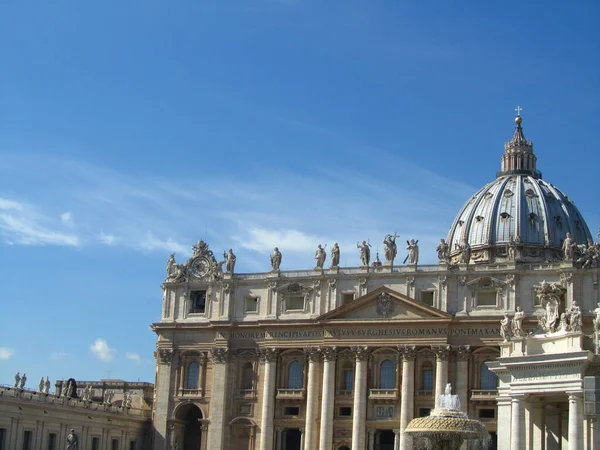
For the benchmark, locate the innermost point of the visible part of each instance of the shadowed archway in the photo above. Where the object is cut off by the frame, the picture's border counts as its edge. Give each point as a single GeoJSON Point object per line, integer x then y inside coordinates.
{"type": "Point", "coordinates": [192, 432]}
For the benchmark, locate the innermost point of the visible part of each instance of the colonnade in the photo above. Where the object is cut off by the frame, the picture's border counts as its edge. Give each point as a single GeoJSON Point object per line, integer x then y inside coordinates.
{"type": "Point", "coordinates": [323, 440]}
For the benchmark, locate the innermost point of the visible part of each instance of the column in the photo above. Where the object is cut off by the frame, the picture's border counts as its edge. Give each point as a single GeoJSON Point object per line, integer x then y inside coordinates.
{"type": "Point", "coordinates": [537, 424]}
{"type": "Point", "coordinates": [407, 399]}
{"type": "Point", "coordinates": [594, 439]}
{"type": "Point", "coordinates": [269, 357]}
{"type": "Point", "coordinates": [441, 369]}
{"type": "Point", "coordinates": [517, 425]}
{"type": "Point", "coordinates": [503, 422]}
{"type": "Point", "coordinates": [396, 438]}
{"type": "Point", "coordinates": [279, 444]}
{"type": "Point", "coordinates": [302, 434]}
{"type": "Point", "coordinates": [462, 376]}
{"type": "Point", "coordinates": [162, 389]}
{"type": "Point", "coordinates": [575, 421]}
{"type": "Point", "coordinates": [311, 396]}
{"type": "Point", "coordinates": [359, 409]}
{"type": "Point", "coordinates": [219, 401]}
{"type": "Point", "coordinates": [371, 433]}
{"type": "Point", "coordinates": [327, 399]}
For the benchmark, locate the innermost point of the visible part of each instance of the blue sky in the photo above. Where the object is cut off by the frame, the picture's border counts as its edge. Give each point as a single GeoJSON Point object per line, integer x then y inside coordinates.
{"type": "Point", "coordinates": [132, 129]}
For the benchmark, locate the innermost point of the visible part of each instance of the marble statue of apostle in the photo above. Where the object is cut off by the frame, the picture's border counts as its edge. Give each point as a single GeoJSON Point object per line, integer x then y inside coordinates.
{"type": "Point", "coordinates": [505, 327]}
{"type": "Point", "coordinates": [568, 246]}
{"type": "Point", "coordinates": [23, 381]}
{"type": "Point", "coordinates": [335, 255]}
{"type": "Point", "coordinates": [413, 252]}
{"type": "Point", "coordinates": [230, 261]}
{"type": "Point", "coordinates": [320, 256]}
{"type": "Point", "coordinates": [517, 323]}
{"type": "Point", "coordinates": [597, 319]}
{"type": "Point", "coordinates": [47, 386]}
{"type": "Point", "coordinates": [443, 251]}
{"type": "Point", "coordinates": [41, 385]}
{"type": "Point", "coordinates": [17, 379]}
{"type": "Point", "coordinates": [72, 441]}
{"type": "Point", "coordinates": [575, 317]}
{"type": "Point", "coordinates": [365, 253]}
{"type": "Point", "coordinates": [390, 250]}
{"type": "Point", "coordinates": [275, 259]}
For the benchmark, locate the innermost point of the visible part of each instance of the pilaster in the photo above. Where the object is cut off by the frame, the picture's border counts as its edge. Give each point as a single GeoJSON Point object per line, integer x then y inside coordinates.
{"type": "Point", "coordinates": [407, 400]}
{"type": "Point", "coordinates": [219, 402]}
{"type": "Point", "coordinates": [327, 398]}
{"type": "Point", "coordinates": [268, 356]}
{"type": "Point", "coordinates": [575, 421]}
{"type": "Point", "coordinates": [462, 376]}
{"type": "Point", "coordinates": [164, 358]}
{"type": "Point", "coordinates": [359, 412]}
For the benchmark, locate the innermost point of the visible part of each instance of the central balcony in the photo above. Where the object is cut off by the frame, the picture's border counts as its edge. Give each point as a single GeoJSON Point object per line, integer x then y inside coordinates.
{"type": "Point", "coordinates": [291, 394]}
{"type": "Point", "coordinates": [385, 395]}
{"type": "Point", "coordinates": [484, 395]}
{"type": "Point", "coordinates": [198, 393]}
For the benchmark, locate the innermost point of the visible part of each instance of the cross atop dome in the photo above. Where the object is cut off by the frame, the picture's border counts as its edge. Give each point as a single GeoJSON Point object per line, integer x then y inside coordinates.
{"type": "Point", "coordinates": [518, 154]}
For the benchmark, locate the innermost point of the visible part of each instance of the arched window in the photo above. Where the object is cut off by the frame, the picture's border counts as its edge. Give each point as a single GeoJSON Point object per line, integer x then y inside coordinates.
{"type": "Point", "coordinates": [427, 377]}
{"type": "Point", "coordinates": [247, 376]}
{"type": "Point", "coordinates": [348, 377]}
{"type": "Point", "coordinates": [387, 375]}
{"type": "Point", "coordinates": [488, 379]}
{"type": "Point", "coordinates": [192, 375]}
{"type": "Point", "coordinates": [295, 375]}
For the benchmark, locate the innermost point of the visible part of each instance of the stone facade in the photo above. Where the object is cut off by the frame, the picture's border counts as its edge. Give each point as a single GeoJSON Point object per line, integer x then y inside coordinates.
{"type": "Point", "coordinates": [36, 421]}
{"type": "Point", "coordinates": [344, 357]}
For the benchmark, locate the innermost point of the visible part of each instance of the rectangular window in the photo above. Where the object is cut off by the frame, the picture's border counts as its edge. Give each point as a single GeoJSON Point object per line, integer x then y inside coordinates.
{"type": "Point", "coordinates": [428, 380]}
{"type": "Point", "coordinates": [52, 441]}
{"type": "Point", "coordinates": [291, 411]}
{"type": "Point", "coordinates": [198, 301]}
{"type": "Point", "coordinates": [251, 303]}
{"type": "Point", "coordinates": [345, 411]}
{"type": "Point", "coordinates": [427, 297]}
{"type": "Point", "coordinates": [95, 443]}
{"type": "Point", "coordinates": [295, 303]}
{"type": "Point", "coordinates": [348, 379]}
{"type": "Point", "coordinates": [27, 436]}
{"type": "Point", "coordinates": [486, 298]}
{"type": "Point", "coordinates": [2, 438]}
{"type": "Point", "coordinates": [487, 413]}
{"type": "Point", "coordinates": [115, 444]}
{"type": "Point", "coordinates": [347, 297]}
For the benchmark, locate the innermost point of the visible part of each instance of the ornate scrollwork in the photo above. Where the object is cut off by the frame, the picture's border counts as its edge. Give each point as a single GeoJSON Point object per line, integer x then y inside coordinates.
{"type": "Point", "coordinates": [165, 355]}
{"type": "Point", "coordinates": [329, 353]}
{"type": "Point", "coordinates": [443, 280]}
{"type": "Point", "coordinates": [385, 304]}
{"type": "Point", "coordinates": [566, 277]}
{"type": "Point", "coordinates": [408, 352]}
{"type": "Point", "coordinates": [201, 265]}
{"type": "Point", "coordinates": [219, 355]}
{"type": "Point", "coordinates": [441, 351]}
{"type": "Point", "coordinates": [332, 282]}
{"type": "Point", "coordinates": [462, 352]}
{"type": "Point", "coordinates": [361, 352]}
{"type": "Point", "coordinates": [313, 353]}
{"type": "Point", "coordinates": [268, 354]}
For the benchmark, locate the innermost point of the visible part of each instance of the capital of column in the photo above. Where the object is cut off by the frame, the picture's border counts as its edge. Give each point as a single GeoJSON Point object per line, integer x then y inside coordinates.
{"type": "Point", "coordinates": [441, 352]}
{"type": "Point", "coordinates": [220, 355]}
{"type": "Point", "coordinates": [361, 352]}
{"type": "Point", "coordinates": [165, 355]}
{"type": "Point", "coordinates": [408, 352]}
{"type": "Point", "coordinates": [268, 354]}
{"type": "Point", "coordinates": [329, 353]}
{"type": "Point", "coordinates": [575, 396]}
{"type": "Point", "coordinates": [313, 353]}
{"type": "Point", "coordinates": [396, 431]}
{"type": "Point", "coordinates": [371, 432]}
{"type": "Point", "coordinates": [462, 352]}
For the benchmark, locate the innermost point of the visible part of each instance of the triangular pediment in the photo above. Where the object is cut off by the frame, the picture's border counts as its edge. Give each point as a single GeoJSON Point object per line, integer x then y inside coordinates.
{"type": "Point", "coordinates": [384, 304]}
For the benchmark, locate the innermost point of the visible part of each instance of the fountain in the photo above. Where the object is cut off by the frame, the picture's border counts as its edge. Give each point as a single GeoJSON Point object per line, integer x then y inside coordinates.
{"type": "Point", "coordinates": [446, 428]}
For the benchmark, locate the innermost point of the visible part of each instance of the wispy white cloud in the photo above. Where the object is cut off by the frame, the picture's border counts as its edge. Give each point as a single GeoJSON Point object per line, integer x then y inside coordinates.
{"type": "Point", "coordinates": [58, 356]}
{"type": "Point", "coordinates": [101, 350]}
{"type": "Point", "coordinates": [67, 218]}
{"type": "Point", "coordinates": [133, 357]}
{"type": "Point", "coordinates": [107, 239]}
{"type": "Point", "coordinates": [293, 211]}
{"type": "Point", "coordinates": [20, 223]}
{"type": "Point", "coordinates": [6, 353]}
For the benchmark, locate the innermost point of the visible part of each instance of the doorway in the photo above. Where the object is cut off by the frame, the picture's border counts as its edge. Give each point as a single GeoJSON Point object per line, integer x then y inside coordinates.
{"type": "Point", "coordinates": [192, 432]}
{"type": "Point", "coordinates": [384, 440]}
{"type": "Point", "coordinates": [292, 439]}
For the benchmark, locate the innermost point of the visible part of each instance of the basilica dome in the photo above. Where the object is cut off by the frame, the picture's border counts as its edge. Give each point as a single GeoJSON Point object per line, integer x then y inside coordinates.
{"type": "Point", "coordinates": [518, 216]}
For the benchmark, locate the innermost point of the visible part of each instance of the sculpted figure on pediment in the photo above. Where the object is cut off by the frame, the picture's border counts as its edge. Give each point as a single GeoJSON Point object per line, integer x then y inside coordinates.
{"type": "Point", "coordinates": [365, 252]}
{"type": "Point", "coordinates": [443, 251]}
{"type": "Point", "coordinates": [320, 256]}
{"type": "Point", "coordinates": [17, 379]}
{"type": "Point", "coordinates": [413, 252]}
{"type": "Point", "coordinates": [275, 259]}
{"type": "Point", "coordinates": [335, 255]}
{"type": "Point", "coordinates": [230, 261]}
{"type": "Point", "coordinates": [391, 249]}
{"type": "Point", "coordinates": [505, 327]}
{"type": "Point", "coordinates": [568, 247]}
{"type": "Point", "coordinates": [517, 323]}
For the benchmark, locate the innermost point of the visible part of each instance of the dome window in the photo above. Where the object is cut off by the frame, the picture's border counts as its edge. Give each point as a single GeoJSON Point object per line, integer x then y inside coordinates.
{"type": "Point", "coordinates": [532, 219]}
{"type": "Point", "coordinates": [508, 193]}
{"type": "Point", "coordinates": [558, 220]}
{"type": "Point", "coordinates": [479, 218]}
{"type": "Point", "coordinates": [504, 215]}
{"type": "Point", "coordinates": [460, 223]}
{"type": "Point", "coordinates": [529, 193]}
{"type": "Point", "coordinates": [488, 196]}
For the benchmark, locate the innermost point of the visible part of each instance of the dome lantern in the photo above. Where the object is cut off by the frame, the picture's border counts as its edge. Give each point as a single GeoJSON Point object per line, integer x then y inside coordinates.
{"type": "Point", "coordinates": [518, 157]}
